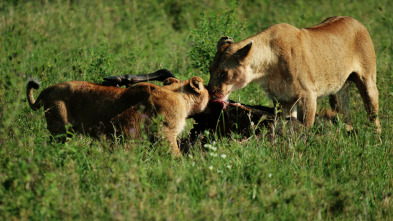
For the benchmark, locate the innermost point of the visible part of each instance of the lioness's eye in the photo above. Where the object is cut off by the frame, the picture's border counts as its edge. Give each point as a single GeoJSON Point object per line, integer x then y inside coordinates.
{"type": "Point", "coordinates": [222, 74]}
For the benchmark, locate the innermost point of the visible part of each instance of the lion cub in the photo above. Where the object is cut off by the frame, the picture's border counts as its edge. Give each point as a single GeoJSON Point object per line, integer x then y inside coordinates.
{"type": "Point", "coordinates": [95, 109]}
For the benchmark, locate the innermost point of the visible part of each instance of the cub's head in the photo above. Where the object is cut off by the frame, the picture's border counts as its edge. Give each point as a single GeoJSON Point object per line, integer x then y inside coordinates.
{"type": "Point", "coordinates": [228, 71]}
{"type": "Point", "coordinates": [194, 92]}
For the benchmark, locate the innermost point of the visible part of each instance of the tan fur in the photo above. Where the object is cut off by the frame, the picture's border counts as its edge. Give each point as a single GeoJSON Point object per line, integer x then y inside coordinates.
{"type": "Point", "coordinates": [95, 109]}
{"type": "Point", "coordinates": [296, 66]}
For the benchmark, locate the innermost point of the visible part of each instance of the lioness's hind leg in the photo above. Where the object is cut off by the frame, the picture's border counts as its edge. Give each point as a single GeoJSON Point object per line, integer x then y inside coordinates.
{"type": "Point", "coordinates": [339, 102]}
{"type": "Point", "coordinates": [56, 118]}
{"type": "Point", "coordinates": [368, 90]}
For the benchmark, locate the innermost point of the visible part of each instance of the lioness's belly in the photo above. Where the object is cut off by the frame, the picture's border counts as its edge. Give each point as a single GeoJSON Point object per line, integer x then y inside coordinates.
{"type": "Point", "coordinates": [331, 80]}
{"type": "Point", "coordinates": [327, 63]}
{"type": "Point", "coordinates": [323, 85]}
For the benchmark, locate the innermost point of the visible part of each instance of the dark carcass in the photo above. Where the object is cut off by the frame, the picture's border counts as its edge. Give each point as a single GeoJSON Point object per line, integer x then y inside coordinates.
{"type": "Point", "coordinates": [224, 118]}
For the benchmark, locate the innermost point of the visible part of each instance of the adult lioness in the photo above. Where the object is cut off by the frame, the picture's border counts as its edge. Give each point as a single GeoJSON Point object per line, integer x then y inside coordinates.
{"type": "Point", "coordinates": [296, 66]}
{"type": "Point", "coordinates": [95, 109]}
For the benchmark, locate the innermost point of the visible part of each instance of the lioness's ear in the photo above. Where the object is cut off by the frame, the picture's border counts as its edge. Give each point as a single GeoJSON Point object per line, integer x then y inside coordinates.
{"type": "Point", "coordinates": [170, 81]}
{"type": "Point", "coordinates": [223, 43]}
{"type": "Point", "coordinates": [196, 84]}
{"type": "Point", "coordinates": [242, 53]}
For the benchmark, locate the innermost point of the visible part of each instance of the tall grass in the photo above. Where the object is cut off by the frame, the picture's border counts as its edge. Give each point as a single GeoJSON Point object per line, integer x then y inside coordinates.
{"type": "Point", "coordinates": [319, 174]}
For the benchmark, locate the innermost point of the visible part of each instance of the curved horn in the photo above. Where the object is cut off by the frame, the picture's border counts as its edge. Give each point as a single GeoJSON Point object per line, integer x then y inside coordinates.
{"type": "Point", "coordinates": [128, 79]}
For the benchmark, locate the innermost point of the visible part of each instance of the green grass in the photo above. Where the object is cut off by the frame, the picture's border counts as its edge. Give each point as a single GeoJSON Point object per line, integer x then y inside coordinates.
{"type": "Point", "coordinates": [326, 175]}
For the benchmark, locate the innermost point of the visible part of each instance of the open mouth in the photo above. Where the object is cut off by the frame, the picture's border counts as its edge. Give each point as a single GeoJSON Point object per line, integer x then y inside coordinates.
{"type": "Point", "coordinates": [220, 97]}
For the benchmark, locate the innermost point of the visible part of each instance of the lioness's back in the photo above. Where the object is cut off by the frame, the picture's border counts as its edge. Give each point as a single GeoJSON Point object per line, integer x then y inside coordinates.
{"type": "Point", "coordinates": [337, 24]}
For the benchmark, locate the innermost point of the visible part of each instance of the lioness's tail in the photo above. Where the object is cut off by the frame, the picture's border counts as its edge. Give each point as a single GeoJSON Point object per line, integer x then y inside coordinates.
{"type": "Point", "coordinates": [33, 83]}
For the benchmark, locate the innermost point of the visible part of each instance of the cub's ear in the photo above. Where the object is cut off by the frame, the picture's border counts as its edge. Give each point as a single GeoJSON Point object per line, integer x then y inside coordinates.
{"type": "Point", "coordinates": [242, 53]}
{"type": "Point", "coordinates": [196, 84]}
{"type": "Point", "coordinates": [223, 43]}
{"type": "Point", "coordinates": [170, 81]}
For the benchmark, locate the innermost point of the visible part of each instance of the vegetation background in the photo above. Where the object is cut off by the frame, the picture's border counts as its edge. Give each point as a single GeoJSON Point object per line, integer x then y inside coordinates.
{"type": "Point", "coordinates": [323, 175]}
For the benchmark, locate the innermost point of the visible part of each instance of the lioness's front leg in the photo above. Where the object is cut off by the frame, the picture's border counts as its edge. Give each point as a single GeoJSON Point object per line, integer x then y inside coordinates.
{"type": "Point", "coordinates": [307, 107]}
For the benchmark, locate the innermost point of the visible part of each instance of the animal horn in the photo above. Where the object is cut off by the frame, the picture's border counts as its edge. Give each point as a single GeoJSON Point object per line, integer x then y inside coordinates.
{"type": "Point", "coordinates": [224, 41]}
{"type": "Point", "coordinates": [130, 79]}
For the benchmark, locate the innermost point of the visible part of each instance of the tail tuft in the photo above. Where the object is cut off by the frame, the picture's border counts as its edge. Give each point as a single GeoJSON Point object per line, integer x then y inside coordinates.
{"type": "Point", "coordinates": [33, 83]}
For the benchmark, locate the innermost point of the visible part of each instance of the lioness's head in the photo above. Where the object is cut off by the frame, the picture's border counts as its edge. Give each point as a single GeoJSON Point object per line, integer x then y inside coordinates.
{"type": "Point", "coordinates": [193, 90]}
{"type": "Point", "coordinates": [228, 71]}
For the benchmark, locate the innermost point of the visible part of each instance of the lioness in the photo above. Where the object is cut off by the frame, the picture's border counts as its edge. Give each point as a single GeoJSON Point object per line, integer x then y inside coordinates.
{"type": "Point", "coordinates": [95, 109]}
{"type": "Point", "coordinates": [296, 66]}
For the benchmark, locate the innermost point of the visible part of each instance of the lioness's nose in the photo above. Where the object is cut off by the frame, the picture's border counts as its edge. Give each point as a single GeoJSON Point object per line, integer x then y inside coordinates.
{"type": "Point", "coordinates": [215, 92]}
{"type": "Point", "coordinates": [211, 88]}
{"type": "Point", "coordinates": [212, 91]}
